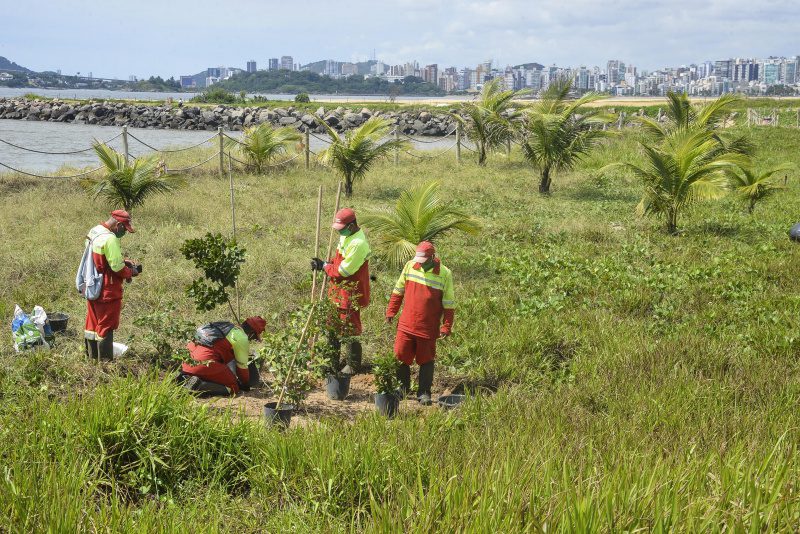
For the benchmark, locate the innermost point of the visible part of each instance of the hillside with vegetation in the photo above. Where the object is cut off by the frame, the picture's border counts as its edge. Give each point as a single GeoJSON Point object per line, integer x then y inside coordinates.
{"type": "Point", "coordinates": [292, 82]}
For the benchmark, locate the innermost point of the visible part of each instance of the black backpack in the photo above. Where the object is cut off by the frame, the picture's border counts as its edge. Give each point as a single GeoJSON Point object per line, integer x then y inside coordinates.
{"type": "Point", "coordinates": [210, 333]}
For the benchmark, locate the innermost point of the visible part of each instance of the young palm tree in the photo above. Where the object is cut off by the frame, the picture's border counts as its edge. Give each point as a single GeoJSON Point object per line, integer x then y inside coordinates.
{"type": "Point", "coordinates": [680, 113]}
{"type": "Point", "coordinates": [491, 119]}
{"type": "Point", "coordinates": [261, 144]}
{"type": "Point", "coordinates": [558, 132]}
{"type": "Point", "coordinates": [420, 214]}
{"type": "Point", "coordinates": [353, 154]}
{"type": "Point", "coordinates": [127, 185]}
{"type": "Point", "coordinates": [752, 186]}
{"type": "Point", "coordinates": [687, 166]}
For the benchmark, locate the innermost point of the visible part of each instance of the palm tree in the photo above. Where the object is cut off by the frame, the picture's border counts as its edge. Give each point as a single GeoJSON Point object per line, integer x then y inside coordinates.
{"type": "Point", "coordinates": [261, 144]}
{"type": "Point", "coordinates": [491, 119]}
{"type": "Point", "coordinates": [558, 132]}
{"type": "Point", "coordinates": [680, 113]}
{"type": "Point", "coordinates": [126, 185]}
{"type": "Point", "coordinates": [752, 186]}
{"type": "Point", "coordinates": [420, 214]}
{"type": "Point", "coordinates": [687, 166]}
{"type": "Point", "coordinates": [353, 154]}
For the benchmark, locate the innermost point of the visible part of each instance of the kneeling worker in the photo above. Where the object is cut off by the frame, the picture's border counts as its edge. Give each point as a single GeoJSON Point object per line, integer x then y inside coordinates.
{"type": "Point", "coordinates": [217, 350]}
{"type": "Point", "coordinates": [426, 286]}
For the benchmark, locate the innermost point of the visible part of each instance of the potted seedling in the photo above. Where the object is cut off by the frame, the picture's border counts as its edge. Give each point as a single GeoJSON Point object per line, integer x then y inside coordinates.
{"type": "Point", "coordinates": [337, 383]}
{"type": "Point", "coordinates": [293, 365]}
{"type": "Point", "coordinates": [387, 398]}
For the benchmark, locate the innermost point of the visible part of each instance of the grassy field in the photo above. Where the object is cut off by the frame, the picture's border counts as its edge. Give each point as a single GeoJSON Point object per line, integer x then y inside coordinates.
{"type": "Point", "coordinates": [644, 382]}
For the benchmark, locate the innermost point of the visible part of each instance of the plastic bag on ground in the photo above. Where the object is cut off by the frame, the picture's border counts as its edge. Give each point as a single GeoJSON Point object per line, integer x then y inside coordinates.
{"type": "Point", "coordinates": [25, 333]}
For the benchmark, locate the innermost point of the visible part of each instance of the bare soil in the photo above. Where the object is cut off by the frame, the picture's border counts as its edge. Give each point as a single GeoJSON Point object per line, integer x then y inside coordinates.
{"type": "Point", "coordinates": [317, 406]}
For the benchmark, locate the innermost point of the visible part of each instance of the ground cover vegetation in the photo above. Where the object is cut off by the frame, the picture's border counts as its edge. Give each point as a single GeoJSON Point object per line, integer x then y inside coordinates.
{"type": "Point", "coordinates": [641, 380]}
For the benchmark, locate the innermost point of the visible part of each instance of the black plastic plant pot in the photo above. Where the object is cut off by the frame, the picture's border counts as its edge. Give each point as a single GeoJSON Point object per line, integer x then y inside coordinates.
{"type": "Point", "coordinates": [280, 417]}
{"type": "Point", "coordinates": [387, 403]}
{"type": "Point", "coordinates": [337, 386]}
{"type": "Point", "coordinates": [450, 401]}
{"type": "Point", "coordinates": [58, 321]}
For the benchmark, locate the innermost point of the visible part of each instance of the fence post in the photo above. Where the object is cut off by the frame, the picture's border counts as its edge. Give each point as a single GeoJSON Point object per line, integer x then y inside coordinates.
{"type": "Point", "coordinates": [508, 148]}
{"type": "Point", "coordinates": [458, 140]}
{"type": "Point", "coordinates": [125, 143]}
{"type": "Point", "coordinates": [798, 117]}
{"type": "Point", "coordinates": [397, 148]}
{"type": "Point", "coordinates": [221, 153]}
{"type": "Point", "coordinates": [619, 122]}
{"type": "Point", "coordinates": [308, 149]}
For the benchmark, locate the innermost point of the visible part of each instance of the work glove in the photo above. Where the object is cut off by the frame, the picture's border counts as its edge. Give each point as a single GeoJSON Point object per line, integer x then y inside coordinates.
{"type": "Point", "coordinates": [444, 332]}
{"type": "Point", "coordinates": [317, 264]}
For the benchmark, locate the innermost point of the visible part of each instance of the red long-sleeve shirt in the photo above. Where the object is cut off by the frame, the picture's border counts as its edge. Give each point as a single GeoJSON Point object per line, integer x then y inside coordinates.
{"type": "Point", "coordinates": [429, 306]}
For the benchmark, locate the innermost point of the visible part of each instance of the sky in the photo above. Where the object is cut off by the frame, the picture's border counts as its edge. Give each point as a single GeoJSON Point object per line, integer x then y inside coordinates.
{"type": "Point", "coordinates": [112, 38]}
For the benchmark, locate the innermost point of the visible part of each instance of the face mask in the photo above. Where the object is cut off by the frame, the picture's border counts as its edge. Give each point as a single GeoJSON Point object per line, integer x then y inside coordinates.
{"type": "Point", "coordinates": [345, 232]}
{"type": "Point", "coordinates": [121, 231]}
{"type": "Point", "coordinates": [428, 265]}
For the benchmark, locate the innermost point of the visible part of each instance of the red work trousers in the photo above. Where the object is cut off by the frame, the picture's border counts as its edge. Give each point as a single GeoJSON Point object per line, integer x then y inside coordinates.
{"type": "Point", "coordinates": [101, 317]}
{"type": "Point", "coordinates": [408, 347]}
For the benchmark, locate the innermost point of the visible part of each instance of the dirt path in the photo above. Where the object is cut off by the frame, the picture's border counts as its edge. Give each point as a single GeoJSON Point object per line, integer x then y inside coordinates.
{"type": "Point", "coordinates": [317, 406]}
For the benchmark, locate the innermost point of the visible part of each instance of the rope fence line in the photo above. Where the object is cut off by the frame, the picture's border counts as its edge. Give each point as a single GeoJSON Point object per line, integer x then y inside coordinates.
{"type": "Point", "coordinates": [57, 153]}
{"type": "Point", "coordinates": [166, 150]}
{"type": "Point", "coordinates": [50, 177]}
{"type": "Point", "coordinates": [428, 156]}
{"type": "Point", "coordinates": [315, 136]}
{"type": "Point", "coordinates": [437, 140]}
{"type": "Point", "coordinates": [184, 169]}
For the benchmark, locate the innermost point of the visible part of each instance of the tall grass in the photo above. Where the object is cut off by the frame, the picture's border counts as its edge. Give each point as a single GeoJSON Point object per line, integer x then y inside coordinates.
{"type": "Point", "coordinates": [643, 382]}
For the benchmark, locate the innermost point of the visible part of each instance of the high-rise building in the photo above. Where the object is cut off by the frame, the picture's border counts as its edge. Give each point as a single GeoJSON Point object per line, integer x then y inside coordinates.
{"type": "Point", "coordinates": [273, 63]}
{"type": "Point", "coordinates": [188, 82]}
{"type": "Point", "coordinates": [615, 71]}
{"type": "Point", "coordinates": [349, 69]}
{"type": "Point", "coordinates": [745, 70]}
{"type": "Point", "coordinates": [251, 65]}
{"type": "Point", "coordinates": [431, 73]}
{"type": "Point", "coordinates": [287, 63]}
{"type": "Point", "coordinates": [770, 71]}
{"type": "Point", "coordinates": [723, 68]}
{"type": "Point", "coordinates": [789, 71]}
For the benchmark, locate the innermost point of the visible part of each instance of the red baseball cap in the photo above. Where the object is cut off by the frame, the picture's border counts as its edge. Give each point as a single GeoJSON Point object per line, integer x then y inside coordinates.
{"type": "Point", "coordinates": [257, 324]}
{"type": "Point", "coordinates": [425, 251]}
{"type": "Point", "coordinates": [124, 218]}
{"type": "Point", "coordinates": [343, 218]}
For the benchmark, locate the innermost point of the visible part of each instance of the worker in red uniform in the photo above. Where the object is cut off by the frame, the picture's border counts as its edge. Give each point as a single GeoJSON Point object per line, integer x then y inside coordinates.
{"type": "Point", "coordinates": [349, 275]}
{"type": "Point", "coordinates": [220, 353]}
{"type": "Point", "coordinates": [426, 288]}
{"type": "Point", "coordinates": [102, 315]}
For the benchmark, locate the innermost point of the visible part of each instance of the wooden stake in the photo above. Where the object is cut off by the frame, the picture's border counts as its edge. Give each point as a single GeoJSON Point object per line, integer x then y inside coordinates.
{"type": "Point", "coordinates": [316, 244]}
{"type": "Point", "coordinates": [125, 143]}
{"type": "Point", "coordinates": [330, 239]}
{"type": "Point", "coordinates": [233, 224]}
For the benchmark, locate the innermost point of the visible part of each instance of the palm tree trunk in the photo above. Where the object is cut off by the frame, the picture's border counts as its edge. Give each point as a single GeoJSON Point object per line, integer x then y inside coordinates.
{"type": "Point", "coordinates": [544, 183]}
{"type": "Point", "coordinates": [751, 207]}
{"type": "Point", "coordinates": [672, 222]}
{"type": "Point", "coordinates": [348, 186]}
{"type": "Point", "coordinates": [481, 153]}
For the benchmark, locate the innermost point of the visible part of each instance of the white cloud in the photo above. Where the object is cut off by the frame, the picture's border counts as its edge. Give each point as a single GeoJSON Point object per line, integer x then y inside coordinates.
{"type": "Point", "coordinates": [185, 36]}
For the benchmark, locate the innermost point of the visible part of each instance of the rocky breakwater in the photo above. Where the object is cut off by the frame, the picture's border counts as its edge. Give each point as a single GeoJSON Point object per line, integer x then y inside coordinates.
{"type": "Point", "coordinates": [425, 123]}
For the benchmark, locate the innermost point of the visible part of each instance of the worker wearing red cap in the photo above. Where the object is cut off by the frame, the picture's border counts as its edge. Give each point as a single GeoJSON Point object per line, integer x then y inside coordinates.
{"type": "Point", "coordinates": [349, 275]}
{"type": "Point", "coordinates": [102, 315]}
{"type": "Point", "coordinates": [220, 353]}
{"type": "Point", "coordinates": [425, 290]}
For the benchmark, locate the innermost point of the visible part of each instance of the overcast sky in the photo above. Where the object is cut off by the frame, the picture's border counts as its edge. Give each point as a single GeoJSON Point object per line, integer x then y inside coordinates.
{"type": "Point", "coordinates": [174, 37]}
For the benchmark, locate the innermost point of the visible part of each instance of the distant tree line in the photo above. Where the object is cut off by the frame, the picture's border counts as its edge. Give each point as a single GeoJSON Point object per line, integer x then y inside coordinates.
{"type": "Point", "coordinates": [293, 82]}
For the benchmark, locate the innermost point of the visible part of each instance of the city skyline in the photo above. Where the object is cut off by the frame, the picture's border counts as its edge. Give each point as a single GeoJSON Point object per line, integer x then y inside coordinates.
{"type": "Point", "coordinates": [142, 42]}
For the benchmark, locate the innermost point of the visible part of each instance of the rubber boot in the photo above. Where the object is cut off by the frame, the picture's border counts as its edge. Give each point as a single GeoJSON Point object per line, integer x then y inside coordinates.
{"type": "Point", "coordinates": [404, 376]}
{"type": "Point", "coordinates": [255, 375]}
{"type": "Point", "coordinates": [105, 347]}
{"type": "Point", "coordinates": [205, 388]}
{"type": "Point", "coordinates": [91, 349]}
{"type": "Point", "coordinates": [353, 358]}
{"type": "Point", "coordinates": [425, 383]}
